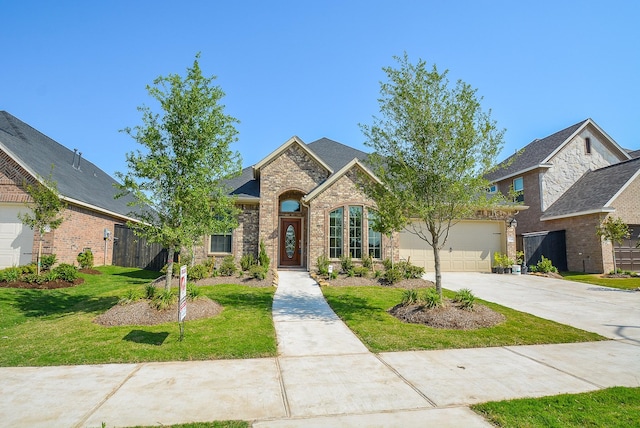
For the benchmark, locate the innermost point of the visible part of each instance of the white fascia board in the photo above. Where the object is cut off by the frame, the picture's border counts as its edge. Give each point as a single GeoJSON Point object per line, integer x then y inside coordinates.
{"type": "Point", "coordinates": [596, 211]}
{"type": "Point", "coordinates": [545, 165]}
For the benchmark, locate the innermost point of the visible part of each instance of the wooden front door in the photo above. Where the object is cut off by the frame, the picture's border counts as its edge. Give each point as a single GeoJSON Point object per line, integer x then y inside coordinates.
{"type": "Point", "coordinates": [290, 241]}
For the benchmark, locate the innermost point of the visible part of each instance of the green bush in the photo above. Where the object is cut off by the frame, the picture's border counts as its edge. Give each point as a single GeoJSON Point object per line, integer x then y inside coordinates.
{"type": "Point", "coordinates": [393, 275]}
{"type": "Point", "coordinates": [387, 264]}
{"type": "Point", "coordinates": [545, 266]}
{"type": "Point", "coordinates": [409, 297]}
{"type": "Point", "coordinates": [193, 291]}
{"type": "Point", "coordinates": [150, 291]}
{"type": "Point", "coordinates": [360, 271]}
{"type": "Point", "coordinates": [466, 298]}
{"type": "Point", "coordinates": [47, 260]}
{"type": "Point", "coordinates": [228, 266]}
{"type": "Point", "coordinates": [85, 259]}
{"type": "Point", "coordinates": [263, 258]}
{"type": "Point", "coordinates": [333, 274]}
{"type": "Point", "coordinates": [210, 264]}
{"type": "Point", "coordinates": [258, 272]}
{"type": "Point", "coordinates": [246, 261]}
{"type": "Point", "coordinates": [197, 272]}
{"type": "Point", "coordinates": [130, 296]}
{"type": "Point", "coordinates": [323, 265]}
{"type": "Point", "coordinates": [10, 274]}
{"type": "Point", "coordinates": [34, 278]}
{"type": "Point", "coordinates": [164, 299]}
{"type": "Point", "coordinates": [30, 268]}
{"type": "Point", "coordinates": [367, 261]}
{"type": "Point", "coordinates": [432, 298]}
{"type": "Point", "coordinates": [346, 263]}
{"type": "Point", "coordinates": [49, 276]}
{"type": "Point", "coordinates": [66, 272]}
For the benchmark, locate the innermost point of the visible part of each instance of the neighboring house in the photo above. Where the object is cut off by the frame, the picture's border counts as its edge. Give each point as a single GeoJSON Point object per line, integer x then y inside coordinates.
{"type": "Point", "coordinates": [571, 181]}
{"type": "Point", "coordinates": [25, 155]}
{"type": "Point", "coordinates": [303, 201]}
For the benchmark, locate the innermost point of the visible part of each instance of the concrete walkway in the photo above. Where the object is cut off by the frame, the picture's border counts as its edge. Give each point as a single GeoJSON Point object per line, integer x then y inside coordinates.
{"type": "Point", "coordinates": [324, 376]}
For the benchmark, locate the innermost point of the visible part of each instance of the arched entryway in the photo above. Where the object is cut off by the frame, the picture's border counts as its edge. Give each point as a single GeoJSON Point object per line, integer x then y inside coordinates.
{"type": "Point", "coordinates": [291, 219]}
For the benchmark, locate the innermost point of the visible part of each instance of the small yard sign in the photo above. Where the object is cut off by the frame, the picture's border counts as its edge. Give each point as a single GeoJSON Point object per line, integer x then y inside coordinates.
{"type": "Point", "coordinates": [182, 305]}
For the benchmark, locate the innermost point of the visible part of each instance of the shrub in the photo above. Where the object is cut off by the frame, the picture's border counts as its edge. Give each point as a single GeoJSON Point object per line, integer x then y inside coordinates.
{"type": "Point", "coordinates": [333, 274]}
{"type": "Point", "coordinates": [393, 275]}
{"type": "Point", "coordinates": [432, 298]}
{"type": "Point", "coordinates": [263, 258]}
{"type": "Point", "coordinates": [85, 259]}
{"type": "Point", "coordinates": [545, 266]}
{"type": "Point", "coordinates": [130, 297]}
{"type": "Point", "coordinates": [377, 273]}
{"type": "Point", "coordinates": [10, 274]}
{"type": "Point", "coordinates": [360, 271]}
{"type": "Point", "coordinates": [246, 261]}
{"type": "Point", "coordinates": [466, 298]}
{"type": "Point", "coordinates": [164, 299]}
{"type": "Point", "coordinates": [197, 272]}
{"type": "Point", "coordinates": [150, 291]}
{"type": "Point", "coordinates": [34, 278]}
{"type": "Point", "coordinates": [408, 270]}
{"type": "Point", "coordinates": [176, 269]}
{"type": "Point", "coordinates": [30, 268]}
{"type": "Point", "coordinates": [210, 264]}
{"type": "Point", "coordinates": [387, 264]}
{"type": "Point", "coordinates": [323, 265]}
{"type": "Point", "coordinates": [47, 260]}
{"type": "Point", "coordinates": [228, 266]}
{"type": "Point", "coordinates": [193, 291]}
{"type": "Point", "coordinates": [258, 272]}
{"type": "Point", "coordinates": [367, 261]}
{"type": "Point", "coordinates": [409, 297]}
{"type": "Point", "coordinates": [66, 272]}
{"type": "Point", "coordinates": [346, 263]}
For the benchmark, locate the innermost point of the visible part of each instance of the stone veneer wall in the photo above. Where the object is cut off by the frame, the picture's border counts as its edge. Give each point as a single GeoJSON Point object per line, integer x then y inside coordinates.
{"type": "Point", "coordinates": [570, 163]}
{"type": "Point", "coordinates": [292, 170]}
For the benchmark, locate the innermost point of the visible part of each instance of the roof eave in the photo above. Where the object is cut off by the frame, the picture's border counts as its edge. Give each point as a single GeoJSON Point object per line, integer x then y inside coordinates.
{"type": "Point", "coordinates": [579, 213]}
{"type": "Point", "coordinates": [523, 171]}
{"type": "Point", "coordinates": [293, 140]}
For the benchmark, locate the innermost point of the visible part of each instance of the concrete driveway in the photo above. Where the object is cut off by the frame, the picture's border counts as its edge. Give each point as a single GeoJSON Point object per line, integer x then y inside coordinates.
{"type": "Point", "coordinates": [610, 312]}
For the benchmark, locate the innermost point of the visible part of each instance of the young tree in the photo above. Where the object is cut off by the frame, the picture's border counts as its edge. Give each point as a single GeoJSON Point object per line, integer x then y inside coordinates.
{"type": "Point", "coordinates": [614, 230]}
{"type": "Point", "coordinates": [431, 147]}
{"type": "Point", "coordinates": [46, 207]}
{"type": "Point", "coordinates": [178, 180]}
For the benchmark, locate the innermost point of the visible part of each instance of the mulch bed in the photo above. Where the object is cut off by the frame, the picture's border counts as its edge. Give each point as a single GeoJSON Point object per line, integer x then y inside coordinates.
{"type": "Point", "coordinates": [449, 316]}
{"type": "Point", "coordinates": [142, 313]}
{"type": "Point", "coordinates": [355, 281]}
{"type": "Point", "coordinates": [270, 281]}
{"type": "Point", "coordinates": [44, 286]}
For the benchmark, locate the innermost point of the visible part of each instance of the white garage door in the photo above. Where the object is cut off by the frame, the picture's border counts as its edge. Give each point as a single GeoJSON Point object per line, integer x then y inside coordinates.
{"type": "Point", "coordinates": [16, 240]}
{"type": "Point", "coordinates": [469, 248]}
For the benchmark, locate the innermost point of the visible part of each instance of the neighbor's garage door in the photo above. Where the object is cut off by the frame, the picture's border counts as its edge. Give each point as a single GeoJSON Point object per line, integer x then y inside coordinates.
{"type": "Point", "coordinates": [469, 248]}
{"type": "Point", "coordinates": [16, 240]}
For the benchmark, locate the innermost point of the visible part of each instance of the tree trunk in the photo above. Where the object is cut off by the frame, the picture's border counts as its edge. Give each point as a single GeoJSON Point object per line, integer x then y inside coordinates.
{"type": "Point", "coordinates": [169, 277]}
{"type": "Point", "coordinates": [436, 258]}
{"type": "Point", "coordinates": [613, 253]}
{"type": "Point", "coordinates": [39, 253]}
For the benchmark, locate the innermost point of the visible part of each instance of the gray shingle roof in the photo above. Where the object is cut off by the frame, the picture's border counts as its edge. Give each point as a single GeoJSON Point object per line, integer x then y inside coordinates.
{"type": "Point", "coordinates": [533, 154]}
{"type": "Point", "coordinates": [334, 154]}
{"type": "Point", "coordinates": [634, 153]}
{"type": "Point", "coordinates": [86, 183]}
{"type": "Point", "coordinates": [593, 190]}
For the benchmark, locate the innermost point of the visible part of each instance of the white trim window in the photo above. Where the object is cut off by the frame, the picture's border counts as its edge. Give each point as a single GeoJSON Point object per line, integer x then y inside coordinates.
{"type": "Point", "coordinates": [518, 188]}
{"type": "Point", "coordinates": [220, 243]}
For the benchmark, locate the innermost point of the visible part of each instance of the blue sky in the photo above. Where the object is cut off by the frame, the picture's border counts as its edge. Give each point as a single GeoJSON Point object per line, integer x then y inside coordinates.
{"type": "Point", "coordinates": [77, 71]}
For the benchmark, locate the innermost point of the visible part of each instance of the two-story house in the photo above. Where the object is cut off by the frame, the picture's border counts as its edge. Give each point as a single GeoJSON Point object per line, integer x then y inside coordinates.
{"type": "Point", "coordinates": [571, 181]}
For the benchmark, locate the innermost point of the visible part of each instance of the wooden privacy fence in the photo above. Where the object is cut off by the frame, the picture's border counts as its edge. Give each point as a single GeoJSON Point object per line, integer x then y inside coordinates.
{"type": "Point", "coordinates": [130, 250]}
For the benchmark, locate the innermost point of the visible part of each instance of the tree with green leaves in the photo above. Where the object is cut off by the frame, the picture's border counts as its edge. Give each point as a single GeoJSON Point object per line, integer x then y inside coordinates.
{"type": "Point", "coordinates": [178, 180]}
{"type": "Point", "coordinates": [432, 145]}
{"type": "Point", "coordinates": [46, 207]}
{"type": "Point", "coordinates": [614, 230]}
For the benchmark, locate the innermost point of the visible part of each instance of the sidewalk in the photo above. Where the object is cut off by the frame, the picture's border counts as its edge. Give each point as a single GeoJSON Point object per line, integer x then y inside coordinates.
{"type": "Point", "coordinates": [324, 376]}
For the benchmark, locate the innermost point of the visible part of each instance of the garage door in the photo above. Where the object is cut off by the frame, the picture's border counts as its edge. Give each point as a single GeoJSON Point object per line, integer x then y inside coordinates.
{"type": "Point", "coordinates": [16, 240]}
{"type": "Point", "coordinates": [469, 248]}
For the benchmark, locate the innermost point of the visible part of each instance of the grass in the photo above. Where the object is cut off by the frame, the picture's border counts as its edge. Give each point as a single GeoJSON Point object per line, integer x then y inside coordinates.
{"type": "Point", "coordinates": [55, 327]}
{"type": "Point", "coordinates": [596, 279]}
{"type": "Point", "coordinates": [612, 407]}
{"type": "Point", "coordinates": [216, 424]}
{"type": "Point", "coordinates": [364, 310]}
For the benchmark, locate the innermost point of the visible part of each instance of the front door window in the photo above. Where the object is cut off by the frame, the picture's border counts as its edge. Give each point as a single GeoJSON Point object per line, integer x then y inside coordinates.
{"type": "Point", "coordinates": [290, 241]}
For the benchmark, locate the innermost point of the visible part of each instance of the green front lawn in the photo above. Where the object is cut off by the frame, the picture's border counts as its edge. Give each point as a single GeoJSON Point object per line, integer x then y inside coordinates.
{"type": "Point", "coordinates": [55, 327]}
{"type": "Point", "coordinates": [596, 279]}
{"type": "Point", "coordinates": [612, 407]}
{"type": "Point", "coordinates": [364, 310]}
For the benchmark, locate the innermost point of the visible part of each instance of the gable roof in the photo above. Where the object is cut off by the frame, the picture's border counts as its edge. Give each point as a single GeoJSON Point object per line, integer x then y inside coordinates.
{"type": "Point", "coordinates": [634, 153]}
{"type": "Point", "coordinates": [333, 178]}
{"type": "Point", "coordinates": [332, 155]}
{"type": "Point", "coordinates": [538, 153]}
{"type": "Point", "coordinates": [79, 181]}
{"type": "Point", "coordinates": [594, 191]}
{"type": "Point", "coordinates": [277, 152]}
